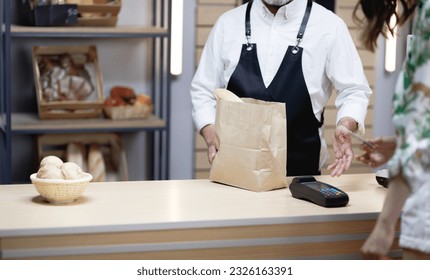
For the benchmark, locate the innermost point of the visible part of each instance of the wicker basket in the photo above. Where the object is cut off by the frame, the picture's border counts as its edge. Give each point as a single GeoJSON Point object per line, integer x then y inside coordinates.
{"type": "Point", "coordinates": [60, 191]}
{"type": "Point", "coordinates": [128, 112]}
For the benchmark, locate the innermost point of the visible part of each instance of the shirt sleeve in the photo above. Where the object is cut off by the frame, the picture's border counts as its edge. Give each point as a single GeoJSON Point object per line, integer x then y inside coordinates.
{"type": "Point", "coordinates": [207, 78]}
{"type": "Point", "coordinates": [411, 105]}
{"type": "Point", "coordinates": [345, 70]}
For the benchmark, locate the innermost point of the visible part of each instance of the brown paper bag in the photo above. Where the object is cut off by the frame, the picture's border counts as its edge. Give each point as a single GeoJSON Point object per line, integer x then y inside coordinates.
{"type": "Point", "coordinates": [251, 145]}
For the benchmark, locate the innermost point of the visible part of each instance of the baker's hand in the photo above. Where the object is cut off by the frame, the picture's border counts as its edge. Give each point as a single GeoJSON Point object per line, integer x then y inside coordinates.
{"type": "Point", "coordinates": [208, 133]}
{"type": "Point", "coordinates": [342, 145]}
{"type": "Point", "coordinates": [382, 150]}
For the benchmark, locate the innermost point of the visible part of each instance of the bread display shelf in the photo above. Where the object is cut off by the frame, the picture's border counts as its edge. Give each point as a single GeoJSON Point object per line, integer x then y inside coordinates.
{"type": "Point", "coordinates": [50, 73]}
{"type": "Point", "coordinates": [23, 121]}
{"type": "Point", "coordinates": [110, 143]}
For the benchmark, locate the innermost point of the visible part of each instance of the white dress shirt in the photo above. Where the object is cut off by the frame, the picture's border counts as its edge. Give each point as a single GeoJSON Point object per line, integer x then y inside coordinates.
{"type": "Point", "coordinates": [330, 59]}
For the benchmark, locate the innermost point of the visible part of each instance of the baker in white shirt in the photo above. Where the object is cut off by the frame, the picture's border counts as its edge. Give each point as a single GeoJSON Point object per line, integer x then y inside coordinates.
{"type": "Point", "coordinates": [291, 51]}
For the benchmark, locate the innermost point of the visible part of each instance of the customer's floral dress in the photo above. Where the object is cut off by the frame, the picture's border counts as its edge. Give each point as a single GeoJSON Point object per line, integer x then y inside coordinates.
{"type": "Point", "coordinates": [411, 117]}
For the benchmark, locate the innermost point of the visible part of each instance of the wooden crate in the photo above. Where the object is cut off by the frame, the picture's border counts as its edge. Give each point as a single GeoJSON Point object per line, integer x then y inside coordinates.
{"type": "Point", "coordinates": [50, 71]}
{"type": "Point", "coordinates": [111, 145]}
{"type": "Point", "coordinates": [101, 13]}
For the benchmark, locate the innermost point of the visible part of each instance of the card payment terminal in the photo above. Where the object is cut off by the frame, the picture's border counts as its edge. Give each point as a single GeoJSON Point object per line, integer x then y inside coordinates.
{"type": "Point", "coordinates": [323, 194]}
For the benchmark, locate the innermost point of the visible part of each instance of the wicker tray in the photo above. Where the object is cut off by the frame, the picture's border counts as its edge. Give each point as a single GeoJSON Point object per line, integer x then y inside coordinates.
{"type": "Point", "coordinates": [128, 112]}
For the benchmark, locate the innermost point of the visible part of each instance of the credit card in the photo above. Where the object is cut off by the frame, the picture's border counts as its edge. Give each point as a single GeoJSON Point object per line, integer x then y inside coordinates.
{"type": "Point", "coordinates": [362, 140]}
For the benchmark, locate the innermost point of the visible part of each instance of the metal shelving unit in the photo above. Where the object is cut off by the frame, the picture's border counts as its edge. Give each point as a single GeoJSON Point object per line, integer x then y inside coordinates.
{"type": "Point", "coordinates": [5, 95]}
{"type": "Point", "coordinates": [2, 96]}
{"type": "Point", "coordinates": [13, 124]}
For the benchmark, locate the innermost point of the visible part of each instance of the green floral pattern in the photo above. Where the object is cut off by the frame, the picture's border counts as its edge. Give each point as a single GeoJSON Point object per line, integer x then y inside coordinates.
{"type": "Point", "coordinates": [411, 102]}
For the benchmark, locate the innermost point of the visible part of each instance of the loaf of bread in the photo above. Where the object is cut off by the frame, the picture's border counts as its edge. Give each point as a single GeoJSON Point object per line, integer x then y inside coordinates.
{"type": "Point", "coordinates": [76, 152]}
{"type": "Point", "coordinates": [71, 171]}
{"type": "Point", "coordinates": [52, 167]}
{"type": "Point", "coordinates": [114, 102]}
{"type": "Point", "coordinates": [143, 99]}
{"type": "Point", "coordinates": [96, 164]}
{"type": "Point", "coordinates": [50, 172]}
{"type": "Point", "coordinates": [51, 160]}
{"type": "Point", "coordinates": [125, 93]}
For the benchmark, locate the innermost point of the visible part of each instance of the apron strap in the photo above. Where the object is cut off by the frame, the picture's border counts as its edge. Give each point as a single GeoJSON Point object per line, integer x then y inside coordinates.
{"type": "Point", "coordinates": [304, 21]}
{"type": "Point", "coordinates": [248, 26]}
{"type": "Point", "coordinates": [302, 29]}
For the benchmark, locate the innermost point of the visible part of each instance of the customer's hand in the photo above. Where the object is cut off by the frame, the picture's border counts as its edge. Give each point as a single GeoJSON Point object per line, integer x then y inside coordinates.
{"type": "Point", "coordinates": [379, 241]}
{"type": "Point", "coordinates": [342, 144]}
{"type": "Point", "coordinates": [382, 150]}
{"type": "Point", "coordinates": [208, 133]}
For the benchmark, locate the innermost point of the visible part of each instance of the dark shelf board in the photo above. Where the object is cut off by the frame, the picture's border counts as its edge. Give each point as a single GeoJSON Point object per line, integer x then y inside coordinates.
{"type": "Point", "coordinates": [23, 123]}
{"type": "Point", "coordinates": [88, 32]}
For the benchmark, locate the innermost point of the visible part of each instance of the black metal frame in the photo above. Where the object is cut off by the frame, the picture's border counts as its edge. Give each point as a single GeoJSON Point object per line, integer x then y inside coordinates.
{"type": "Point", "coordinates": [2, 96]}
{"type": "Point", "coordinates": [5, 99]}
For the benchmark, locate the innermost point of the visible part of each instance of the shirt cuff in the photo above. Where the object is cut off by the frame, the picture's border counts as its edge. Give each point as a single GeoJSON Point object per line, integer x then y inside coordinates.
{"type": "Point", "coordinates": [355, 112]}
{"type": "Point", "coordinates": [203, 117]}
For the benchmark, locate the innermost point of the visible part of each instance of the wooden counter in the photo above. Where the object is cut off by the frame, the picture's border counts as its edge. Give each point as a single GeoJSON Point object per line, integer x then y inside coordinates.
{"type": "Point", "coordinates": [187, 219]}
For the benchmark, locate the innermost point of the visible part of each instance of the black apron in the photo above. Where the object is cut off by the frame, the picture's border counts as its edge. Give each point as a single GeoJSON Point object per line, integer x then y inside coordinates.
{"type": "Point", "coordinates": [288, 86]}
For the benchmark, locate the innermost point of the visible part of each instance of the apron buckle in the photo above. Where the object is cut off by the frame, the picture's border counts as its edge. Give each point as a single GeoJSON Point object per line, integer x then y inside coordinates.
{"type": "Point", "coordinates": [296, 49]}
{"type": "Point", "coordinates": [248, 44]}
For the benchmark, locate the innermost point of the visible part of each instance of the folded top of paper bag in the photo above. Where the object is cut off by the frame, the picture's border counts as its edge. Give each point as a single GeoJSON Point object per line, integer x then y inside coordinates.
{"type": "Point", "coordinates": [226, 95]}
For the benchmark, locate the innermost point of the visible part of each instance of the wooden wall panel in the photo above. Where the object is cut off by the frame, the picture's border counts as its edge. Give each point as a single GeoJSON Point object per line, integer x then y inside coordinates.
{"type": "Point", "coordinates": [345, 4]}
{"type": "Point", "coordinates": [202, 35]}
{"type": "Point", "coordinates": [219, 2]}
{"type": "Point", "coordinates": [207, 13]}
